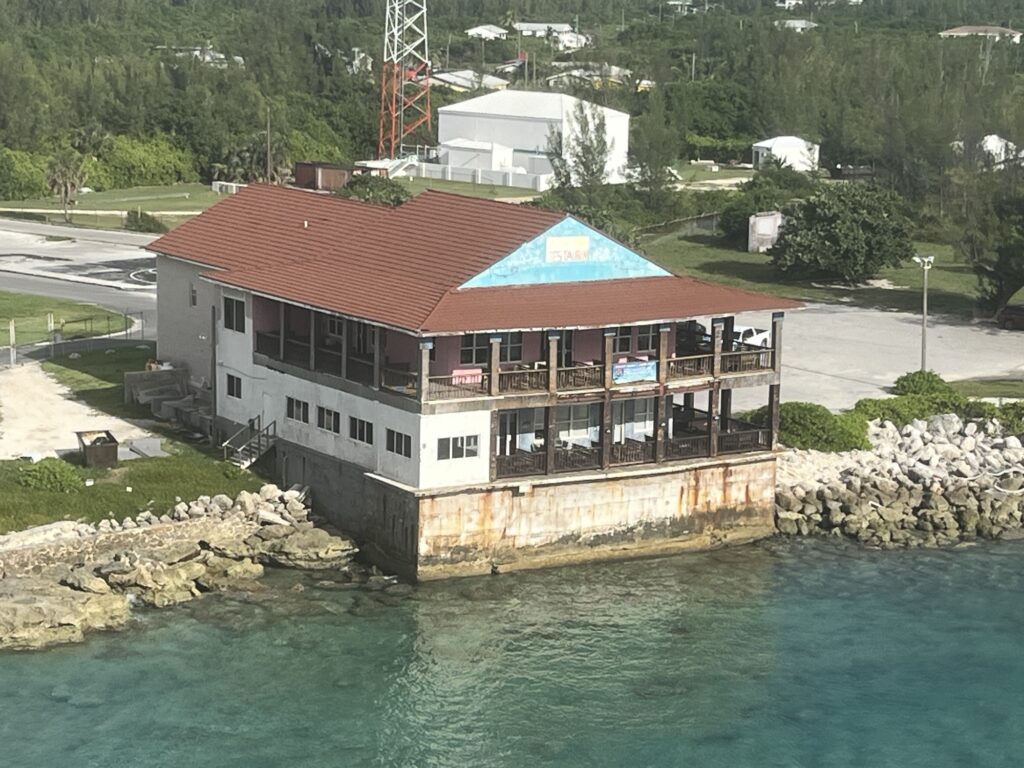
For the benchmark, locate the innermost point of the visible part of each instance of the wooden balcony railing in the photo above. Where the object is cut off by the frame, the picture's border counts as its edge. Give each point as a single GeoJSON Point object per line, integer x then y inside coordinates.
{"type": "Point", "coordinates": [577, 457]}
{"type": "Point", "coordinates": [580, 377]}
{"type": "Point", "coordinates": [328, 360]}
{"type": "Point", "coordinates": [744, 441]}
{"type": "Point", "coordinates": [632, 452]}
{"type": "Point", "coordinates": [748, 360]}
{"type": "Point", "coordinates": [523, 381]}
{"type": "Point", "coordinates": [690, 367]}
{"type": "Point", "coordinates": [458, 387]}
{"type": "Point", "coordinates": [687, 447]}
{"type": "Point", "coordinates": [521, 464]}
{"type": "Point", "coordinates": [403, 382]}
{"type": "Point", "coordinates": [268, 344]}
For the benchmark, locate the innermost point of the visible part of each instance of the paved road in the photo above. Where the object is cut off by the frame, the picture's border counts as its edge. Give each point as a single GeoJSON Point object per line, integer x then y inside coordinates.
{"type": "Point", "coordinates": [837, 355]}
{"type": "Point", "coordinates": [137, 239]}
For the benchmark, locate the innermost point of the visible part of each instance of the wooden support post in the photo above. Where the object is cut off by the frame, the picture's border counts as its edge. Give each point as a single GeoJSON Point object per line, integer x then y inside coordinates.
{"type": "Point", "coordinates": [550, 437]}
{"type": "Point", "coordinates": [553, 362]}
{"type": "Point", "coordinates": [609, 341]}
{"type": "Point", "coordinates": [660, 427]}
{"type": "Point", "coordinates": [495, 426]}
{"type": "Point", "coordinates": [494, 359]}
{"type": "Point", "coordinates": [663, 355]}
{"type": "Point", "coordinates": [423, 379]}
{"type": "Point", "coordinates": [773, 414]}
{"type": "Point", "coordinates": [345, 334]}
{"type": "Point", "coordinates": [688, 401]}
{"type": "Point", "coordinates": [713, 420]}
{"type": "Point", "coordinates": [606, 431]}
{"type": "Point", "coordinates": [729, 325]}
{"type": "Point", "coordinates": [280, 330]}
{"type": "Point", "coordinates": [717, 336]}
{"type": "Point", "coordinates": [725, 406]}
{"type": "Point", "coordinates": [312, 340]}
{"type": "Point", "coordinates": [375, 382]}
{"type": "Point", "coordinates": [777, 318]}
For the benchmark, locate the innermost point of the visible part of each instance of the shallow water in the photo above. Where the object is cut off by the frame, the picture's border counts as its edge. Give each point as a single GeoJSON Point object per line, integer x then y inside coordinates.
{"type": "Point", "coordinates": [792, 654]}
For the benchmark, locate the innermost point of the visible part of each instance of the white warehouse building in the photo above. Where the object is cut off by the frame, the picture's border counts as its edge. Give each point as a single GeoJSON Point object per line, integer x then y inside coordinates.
{"type": "Point", "coordinates": [792, 151]}
{"type": "Point", "coordinates": [502, 138]}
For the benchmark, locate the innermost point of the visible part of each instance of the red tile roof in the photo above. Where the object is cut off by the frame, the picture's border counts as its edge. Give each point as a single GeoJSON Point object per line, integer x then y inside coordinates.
{"type": "Point", "coordinates": [595, 304]}
{"type": "Point", "coordinates": [401, 266]}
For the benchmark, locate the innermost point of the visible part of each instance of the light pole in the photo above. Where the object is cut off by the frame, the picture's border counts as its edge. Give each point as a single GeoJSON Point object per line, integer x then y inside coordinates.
{"type": "Point", "coordinates": [926, 264]}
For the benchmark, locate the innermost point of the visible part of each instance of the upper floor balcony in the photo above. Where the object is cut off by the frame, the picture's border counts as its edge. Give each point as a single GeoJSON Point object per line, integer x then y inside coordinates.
{"type": "Point", "coordinates": [521, 365]}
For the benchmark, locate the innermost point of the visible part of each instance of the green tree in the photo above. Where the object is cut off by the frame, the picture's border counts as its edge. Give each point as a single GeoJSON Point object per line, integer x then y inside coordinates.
{"type": "Point", "coordinates": [993, 239]}
{"type": "Point", "coordinates": [653, 149]}
{"type": "Point", "coordinates": [848, 231]}
{"type": "Point", "coordinates": [580, 159]}
{"type": "Point", "coordinates": [65, 176]}
{"type": "Point", "coordinates": [375, 189]}
{"type": "Point", "coordinates": [22, 175]}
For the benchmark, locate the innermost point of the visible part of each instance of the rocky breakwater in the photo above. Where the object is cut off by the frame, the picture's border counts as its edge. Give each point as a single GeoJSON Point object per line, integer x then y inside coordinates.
{"type": "Point", "coordinates": [931, 483]}
{"type": "Point", "coordinates": [61, 580]}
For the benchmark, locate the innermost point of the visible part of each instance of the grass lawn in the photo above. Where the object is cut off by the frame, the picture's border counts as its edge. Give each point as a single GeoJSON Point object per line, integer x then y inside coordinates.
{"type": "Point", "coordinates": [488, 191]}
{"type": "Point", "coordinates": [191, 470]}
{"type": "Point", "coordinates": [951, 284]}
{"type": "Point", "coordinates": [29, 315]}
{"type": "Point", "coordinates": [1012, 388]}
{"type": "Point", "coordinates": [692, 173]}
{"type": "Point", "coordinates": [178, 197]}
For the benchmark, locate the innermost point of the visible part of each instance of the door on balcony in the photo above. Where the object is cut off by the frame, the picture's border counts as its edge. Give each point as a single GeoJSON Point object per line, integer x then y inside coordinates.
{"type": "Point", "coordinates": [508, 432]}
{"type": "Point", "coordinates": [565, 356]}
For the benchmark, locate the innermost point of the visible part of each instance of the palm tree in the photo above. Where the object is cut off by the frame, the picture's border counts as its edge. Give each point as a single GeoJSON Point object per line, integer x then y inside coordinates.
{"type": "Point", "coordinates": [65, 176]}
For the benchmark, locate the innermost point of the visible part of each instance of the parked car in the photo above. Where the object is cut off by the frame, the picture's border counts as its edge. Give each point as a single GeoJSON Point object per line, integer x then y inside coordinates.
{"type": "Point", "coordinates": [1011, 317]}
{"type": "Point", "coordinates": [755, 337]}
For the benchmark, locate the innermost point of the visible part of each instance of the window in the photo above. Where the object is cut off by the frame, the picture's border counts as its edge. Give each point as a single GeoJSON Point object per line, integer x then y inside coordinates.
{"type": "Point", "coordinates": [234, 314]}
{"type": "Point", "coordinates": [458, 447]}
{"type": "Point", "coordinates": [578, 424]}
{"type": "Point", "coordinates": [360, 430]}
{"type": "Point", "coordinates": [298, 410]}
{"type": "Point", "coordinates": [328, 420]}
{"type": "Point", "coordinates": [336, 326]}
{"type": "Point", "coordinates": [647, 338]}
{"type": "Point", "coordinates": [234, 386]}
{"type": "Point", "coordinates": [476, 349]}
{"type": "Point", "coordinates": [511, 347]}
{"type": "Point", "coordinates": [363, 339]}
{"type": "Point", "coordinates": [193, 297]}
{"type": "Point", "coordinates": [399, 443]}
{"type": "Point", "coordinates": [623, 340]}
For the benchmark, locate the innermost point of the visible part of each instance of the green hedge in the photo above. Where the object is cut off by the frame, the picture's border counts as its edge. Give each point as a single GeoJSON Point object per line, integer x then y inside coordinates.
{"type": "Point", "coordinates": [814, 427]}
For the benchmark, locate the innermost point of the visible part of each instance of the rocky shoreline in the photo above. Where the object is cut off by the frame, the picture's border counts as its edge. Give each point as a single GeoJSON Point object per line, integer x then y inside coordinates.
{"type": "Point", "coordinates": [933, 483]}
{"type": "Point", "coordinates": [60, 581]}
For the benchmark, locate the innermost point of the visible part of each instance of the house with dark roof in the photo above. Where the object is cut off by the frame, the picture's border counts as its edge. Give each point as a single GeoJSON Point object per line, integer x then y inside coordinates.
{"type": "Point", "coordinates": [468, 385]}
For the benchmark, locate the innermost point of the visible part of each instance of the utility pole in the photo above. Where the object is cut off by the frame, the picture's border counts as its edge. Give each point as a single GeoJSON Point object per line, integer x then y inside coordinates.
{"type": "Point", "coordinates": [268, 144]}
{"type": "Point", "coordinates": [926, 264]}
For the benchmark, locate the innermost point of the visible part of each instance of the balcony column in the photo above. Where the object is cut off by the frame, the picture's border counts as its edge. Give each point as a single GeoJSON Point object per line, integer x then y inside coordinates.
{"type": "Point", "coordinates": [728, 325]}
{"type": "Point", "coordinates": [346, 331]}
{"type": "Point", "coordinates": [609, 341]}
{"type": "Point", "coordinates": [661, 427]}
{"type": "Point", "coordinates": [725, 405]}
{"type": "Point", "coordinates": [717, 335]}
{"type": "Point", "coordinates": [773, 415]}
{"type": "Point", "coordinates": [606, 430]}
{"type": "Point", "coordinates": [713, 420]}
{"type": "Point", "coordinates": [377, 339]}
{"type": "Point", "coordinates": [423, 377]}
{"type": "Point", "coordinates": [550, 438]}
{"type": "Point", "coordinates": [777, 341]}
{"type": "Point", "coordinates": [553, 337]}
{"type": "Point", "coordinates": [494, 360]}
{"type": "Point", "coordinates": [280, 326]}
{"type": "Point", "coordinates": [495, 428]}
{"type": "Point", "coordinates": [663, 355]}
{"type": "Point", "coordinates": [688, 401]}
{"type": "Point", "coordinates": [312, 340]}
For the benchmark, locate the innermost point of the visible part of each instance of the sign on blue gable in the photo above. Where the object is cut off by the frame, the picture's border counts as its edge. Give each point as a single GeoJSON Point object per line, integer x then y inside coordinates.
{"type": "Point", "coordinates": [569, 252]}
{"type": "Point", "coordinates": [634, 371]}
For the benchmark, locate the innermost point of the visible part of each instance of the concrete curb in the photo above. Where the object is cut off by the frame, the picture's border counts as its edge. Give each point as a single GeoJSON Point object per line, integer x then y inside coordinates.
{"type": "Point", "coordinates": [80, 279]}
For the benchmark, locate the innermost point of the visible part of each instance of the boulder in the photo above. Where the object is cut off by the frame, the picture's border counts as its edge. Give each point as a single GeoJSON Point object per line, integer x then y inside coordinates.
{"type": "Point", "coordinates": [37, 612]}
{"type": "Point", "coordinates": [313, 549]}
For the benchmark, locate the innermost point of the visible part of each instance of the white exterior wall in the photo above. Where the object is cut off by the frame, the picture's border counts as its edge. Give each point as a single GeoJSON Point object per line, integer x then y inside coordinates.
{"type": "Point", "coordinates": [520, 133]}
{"type": "Point", "coordinates": [264, 393]}
{"type": "Point", "coordinates": [436, 473]}
{"type": "Point", "coordinates": [183, 334]}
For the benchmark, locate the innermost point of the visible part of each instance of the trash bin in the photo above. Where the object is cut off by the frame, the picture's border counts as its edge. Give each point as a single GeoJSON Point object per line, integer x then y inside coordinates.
{"type": "Point", "coordinates": [99, 448]}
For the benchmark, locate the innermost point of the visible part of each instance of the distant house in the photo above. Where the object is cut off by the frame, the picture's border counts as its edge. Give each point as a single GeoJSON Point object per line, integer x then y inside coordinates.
{"type": "Point", "coordinates": [488, 32]}
{"type": "Point", "coordinates": [322, 177]}
{"type": "Point", "coordinates": [540, 28]}
{"type": "Point", "coordinates": [763, 230]}
{"type": "Point", "coordinates": [570, 41]}
{"type": "Point", "coordinates": [795, 25]}
{"type": "Point", "coordinates": [690, 7]}
{"type": "Point", "coordinates": [993, 148]}
{"type": "Point", "coordinates": [597, 76]}
{"type": "Point", "coordinates": [788, 5]}
{"type": "Point", "coordinates": [204, 54]}
{"type": "Point", "coordinates": [992, 33]}
{"type": "Point", "coordinates": [464, 80]}
{"type": "Point", "coordinates": [791, 151]}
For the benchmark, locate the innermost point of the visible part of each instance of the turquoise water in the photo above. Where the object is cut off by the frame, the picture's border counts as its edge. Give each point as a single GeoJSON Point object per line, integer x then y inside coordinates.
{"type": "Point", "coordinates": [786, 654]}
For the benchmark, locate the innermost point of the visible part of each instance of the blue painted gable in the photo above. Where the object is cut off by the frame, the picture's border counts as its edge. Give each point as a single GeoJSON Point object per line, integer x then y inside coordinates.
{"type": "Point", "coordinates": [568, 252]}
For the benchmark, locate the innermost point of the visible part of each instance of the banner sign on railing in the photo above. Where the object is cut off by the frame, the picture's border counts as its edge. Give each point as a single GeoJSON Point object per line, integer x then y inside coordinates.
{"type": "Point", "coordinates": [634, 371]}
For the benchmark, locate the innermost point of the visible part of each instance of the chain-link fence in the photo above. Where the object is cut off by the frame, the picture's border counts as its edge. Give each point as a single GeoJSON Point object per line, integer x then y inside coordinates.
{"type": "Point", "coordinates": [65, 336]}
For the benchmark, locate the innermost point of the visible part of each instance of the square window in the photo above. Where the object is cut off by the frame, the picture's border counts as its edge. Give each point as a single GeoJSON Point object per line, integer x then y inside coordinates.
{"type": "Point", "coordinates": [476, 349]}
{"type": "Point", "coordinates": [647, 338]}
{"type": "Point", "coordinates": [400, 443]}
{"type": "Point", "coordinates": [297, 410]}
{"type": "Point", "coordinates": [234, 314]}
{"type": "Point", "coordinates": [623, 342]}
{"type": "Point", "coordinates": [360, 430]}
{"type": "Point", "coordinates": [328, 420]}
{"type": "Point", "coordinates": [234, 386]}
{"type": "Point", "coordinates": [511, 347]}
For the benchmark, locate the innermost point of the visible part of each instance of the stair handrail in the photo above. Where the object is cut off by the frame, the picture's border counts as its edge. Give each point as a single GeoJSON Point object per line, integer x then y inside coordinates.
{"type": "Point", "coordinates": [253, 423]}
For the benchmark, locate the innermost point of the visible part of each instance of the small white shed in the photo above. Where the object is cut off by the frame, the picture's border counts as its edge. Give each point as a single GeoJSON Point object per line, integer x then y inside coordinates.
{"type": "Point", "coordinates": [792, 151]}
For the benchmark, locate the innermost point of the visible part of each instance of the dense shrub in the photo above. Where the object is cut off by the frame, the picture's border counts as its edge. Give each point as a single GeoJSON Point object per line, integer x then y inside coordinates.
{"type": "Point", "coordinates": [375, 189]}
{"type": "Point", "coordinates": [147, 162]}
{"type": "Point", "coordinates": [1012, 417]}
{"type": "Point", "coordinates": [811, 426]}
{"type": "Point", "coordinates": [922, 383]}
{"type": "Point", "coordinates": [140, 221]}
{"type": "Point", "coordinates": [51, 475]}
{"type": "Point", "coordinates": [22, 175]}
{"type": "Point", "coordinates": [905, 408]}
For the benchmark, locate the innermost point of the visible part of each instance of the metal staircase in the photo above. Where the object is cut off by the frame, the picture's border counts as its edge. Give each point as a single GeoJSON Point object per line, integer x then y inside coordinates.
{"type": "Point", "coordinates": [250, 443]}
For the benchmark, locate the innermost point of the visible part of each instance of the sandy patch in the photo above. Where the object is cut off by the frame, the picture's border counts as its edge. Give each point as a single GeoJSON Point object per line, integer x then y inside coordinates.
{"type": "Point", "coordinates": [39, 416]}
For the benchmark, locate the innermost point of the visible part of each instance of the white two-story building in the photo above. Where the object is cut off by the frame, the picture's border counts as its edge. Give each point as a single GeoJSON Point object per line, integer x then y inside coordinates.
{"type": "Point", "coordinates": [468, 385]}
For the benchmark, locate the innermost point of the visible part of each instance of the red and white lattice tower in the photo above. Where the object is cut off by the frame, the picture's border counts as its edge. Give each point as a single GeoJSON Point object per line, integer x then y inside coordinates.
{"type": "Point", "coordinates": [404, 76]}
